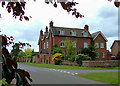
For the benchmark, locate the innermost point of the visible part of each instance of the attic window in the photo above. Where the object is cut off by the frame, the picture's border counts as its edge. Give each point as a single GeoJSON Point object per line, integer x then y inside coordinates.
{"type": "Point", "coordinates": [85, 34]}
{"type": "Point", "coordinates": [73, 33]}
{"type": "Point", "coordinates": [62, 32]}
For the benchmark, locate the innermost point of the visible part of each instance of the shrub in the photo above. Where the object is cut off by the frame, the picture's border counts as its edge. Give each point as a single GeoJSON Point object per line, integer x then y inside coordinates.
{"type": "Point", "coordinates": [81, 57]}
{"type": "Point", "coordinates": [57, 58]}
{"type": "Point", "coordinates": [72, 58]}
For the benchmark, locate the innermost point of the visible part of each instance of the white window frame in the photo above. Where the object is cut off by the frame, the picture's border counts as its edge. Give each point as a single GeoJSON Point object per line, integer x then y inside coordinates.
{"type": "Point", "coordinates": [101, 45]}
{"type": "Point", "coordinates": [73, 33]}
{"type": "Point", "coordinates": [103, 55]}
{"type": "Point", "coordinates": [62, 32]}
{"type": "Point", "coordinates": [62, 45]}
{"type": "Point", "coordinates": [97, 45]}
{"type": "Point", "coordinates": [85, 45]}
{"type": "Point", "coordinates": [85, 34]}
{"type": "Point", "coordinates": [44, 45]}
{"type": "Point", "coordinates": [47, 45]}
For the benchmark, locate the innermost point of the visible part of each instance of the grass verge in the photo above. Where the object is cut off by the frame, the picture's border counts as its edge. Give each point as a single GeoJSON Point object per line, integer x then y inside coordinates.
{"type": "Point", "coordinates": [67, 67]}
{"type": "Point", "coordinates": [105, 77]}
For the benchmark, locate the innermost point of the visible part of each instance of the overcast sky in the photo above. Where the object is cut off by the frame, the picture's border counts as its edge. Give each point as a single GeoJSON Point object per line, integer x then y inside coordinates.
{"type": "Point", "coordinates": [100, 15]}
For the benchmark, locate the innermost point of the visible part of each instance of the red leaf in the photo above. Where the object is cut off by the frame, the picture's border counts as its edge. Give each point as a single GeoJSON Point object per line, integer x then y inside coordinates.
{"type": "Point", "coordinates": [26, 18]}
{"type": "Point", "coordinates": [117, 4]}
{"type": "Point", "coordinates": [3, 3]}
{"type": "Point", "coordinates": [55, 5]}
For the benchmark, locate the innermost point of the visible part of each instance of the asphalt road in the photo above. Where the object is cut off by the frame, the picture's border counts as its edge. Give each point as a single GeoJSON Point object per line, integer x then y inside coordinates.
{"type": "Point", "coordinates": [56, 76]}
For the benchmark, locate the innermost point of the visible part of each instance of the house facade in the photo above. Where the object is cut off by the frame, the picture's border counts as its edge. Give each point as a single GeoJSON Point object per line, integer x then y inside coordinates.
{"type": "Point", "coordinates": [115, 48]}
{"type": "Point", "coordinates": [55, 35]}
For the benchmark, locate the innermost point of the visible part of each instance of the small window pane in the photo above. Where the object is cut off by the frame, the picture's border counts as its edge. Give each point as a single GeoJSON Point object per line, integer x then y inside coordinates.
{"type": "Point", "coordinates": [61, 44]}
{"type": "Point", "coordinates": [85, 45]}
{"type": "Point", "coordinates": [103, 55]}
{"type": "Point", "coordinates": [97, 45]}
{"type": "Point", "coordinates": [101, 45]}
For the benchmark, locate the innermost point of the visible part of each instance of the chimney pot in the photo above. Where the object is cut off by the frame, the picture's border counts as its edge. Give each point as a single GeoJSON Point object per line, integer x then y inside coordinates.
{"type": "Point", "coordinates": [86, 27]}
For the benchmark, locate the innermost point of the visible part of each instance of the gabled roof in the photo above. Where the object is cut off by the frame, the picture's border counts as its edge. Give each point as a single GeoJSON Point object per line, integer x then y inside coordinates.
{"type": "Point", "coordinates": [55, 31]}
{"type": "Point", "coordinates": [117, 42]}
{"type": "Point", "coordinates": [94, 35]}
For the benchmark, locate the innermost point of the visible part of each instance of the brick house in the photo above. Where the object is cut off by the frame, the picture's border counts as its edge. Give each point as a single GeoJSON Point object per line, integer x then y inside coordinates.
{"type": "Point", "coordinates": [55, 35]}
{"type": "Point", "coordinates": [115, 48]}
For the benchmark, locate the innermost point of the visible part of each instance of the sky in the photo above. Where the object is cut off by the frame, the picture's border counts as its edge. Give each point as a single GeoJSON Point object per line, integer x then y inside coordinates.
{"type": "Point", "coordinates": [100, 15]}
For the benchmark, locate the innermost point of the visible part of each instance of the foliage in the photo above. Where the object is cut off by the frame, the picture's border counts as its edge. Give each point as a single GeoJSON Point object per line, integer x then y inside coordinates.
{"type": "Point", "coordinates": [28, 53]}
{"type": "Point", "coordinates": [81, 57]}
{"type": "Point", "coordinates": [69, 45]}
{"type": "Point", "coordinates": [20, 55]}
{"type": "Point", "coordinates": [56, 49]}
{"type": "Point", "coordinates": [33, 53]}
{"type": "Point", "coordinates": [91, 51]}
{"type": "Point", "coordinates": [72, 58]}
{"type": "Point", "coordinates": [10, 69]}
{"type": "Point", "coordinates": [118, 56]}
{"type": "Point", "coordinates": [56, 58]}
{"type": "Point", "coordinates": [3, 81]}
{"type": "Point", "coordinates": [18, 8]}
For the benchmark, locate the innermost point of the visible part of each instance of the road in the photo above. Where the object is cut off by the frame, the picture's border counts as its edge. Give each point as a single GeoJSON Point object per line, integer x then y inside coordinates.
{"type": "Point", "coordinates": [55, 76]}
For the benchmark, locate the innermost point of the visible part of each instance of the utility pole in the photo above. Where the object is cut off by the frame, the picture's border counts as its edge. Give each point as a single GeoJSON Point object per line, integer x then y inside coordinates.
{"type": "Point", "coordinates": [0, 53]}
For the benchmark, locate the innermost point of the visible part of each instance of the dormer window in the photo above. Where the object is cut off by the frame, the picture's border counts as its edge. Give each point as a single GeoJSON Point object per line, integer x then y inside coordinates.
{"type": "Point", "coordinates": [61, 32]}
{"type": "Point", "coordinates": [85, 34]}
{"type": "Point", "coordinates": [73, 33]}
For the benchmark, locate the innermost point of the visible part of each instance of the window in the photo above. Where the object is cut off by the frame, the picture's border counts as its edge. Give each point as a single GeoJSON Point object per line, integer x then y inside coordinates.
{"type": "Point", "coordinates": [85, 34]}
{"type": "Point", "coordinates": [103, 55]}
{"type": "Point", "coordinates": [101, 45]}
{"type": "Point", "coordinates": [61, 44]}
{"type": "Point", "coordinates": [85, 45]}
{"type": "Point", "coordinates": [97, 45]}
{"type": "Point", "coordinates": [73, 33]}
{"type": "Point", "coordinates": [74, 45]}
{"type": "Point", "coordinates": [47, 44]}
{"type": "Point", "coordinates": [44, 45]}
{"type": "Point", "coordinates": [97, 55]}
{"type": "Point", "coordinates": [61, 32]}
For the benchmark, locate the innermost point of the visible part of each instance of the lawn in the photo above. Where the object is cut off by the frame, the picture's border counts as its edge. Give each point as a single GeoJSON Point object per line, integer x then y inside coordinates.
{"type": "Point", "coordinates": [66, 67]}
{"type": "Point", "coordinates": [105, 77]}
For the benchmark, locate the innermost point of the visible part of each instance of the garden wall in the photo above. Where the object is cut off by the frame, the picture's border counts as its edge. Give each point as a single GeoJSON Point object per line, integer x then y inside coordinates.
{"type": "Point", "coordinates": [106, 63]}
{"type": "Point", "coordinates": [69, 63]}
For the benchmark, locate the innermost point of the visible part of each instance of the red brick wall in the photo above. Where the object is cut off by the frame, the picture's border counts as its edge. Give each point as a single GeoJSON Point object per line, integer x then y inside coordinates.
{"type": "Point", "coordinates": [99, 39]}
{"type": "Point", "coordinates": [105, 63]}
{"type": "Point", "coordinates": [114, 49]}
{"type": "Point", "coordinates": [79, 41]}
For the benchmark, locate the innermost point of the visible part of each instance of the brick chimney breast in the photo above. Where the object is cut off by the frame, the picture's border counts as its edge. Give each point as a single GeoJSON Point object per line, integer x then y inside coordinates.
{"type": "Point", "coordinates": [86, 27]}
{"type": "Point", "coordinates": [41, 33]}
{"type": "Point", "coordinates": [51, 24]}
{"type": "Point", "coordinates": [46, 29]}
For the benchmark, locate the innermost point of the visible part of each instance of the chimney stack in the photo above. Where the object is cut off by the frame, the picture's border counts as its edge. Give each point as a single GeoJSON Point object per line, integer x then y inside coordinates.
{"type": "Point", "coordinates": [46, 29]}
{"type": "Point", "coordinates": [51, 24]}
{"type": "Point", "coordinates": [86, 27]}
{"type": "Point", "coordinates": [41, 33]}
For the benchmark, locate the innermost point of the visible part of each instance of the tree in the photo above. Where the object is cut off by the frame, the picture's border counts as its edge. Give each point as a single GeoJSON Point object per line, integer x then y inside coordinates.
{"type": "Point", "coordinates": [10, 69]}
{"type": "Point", "coordinates": [28, 53]}
{"type": "Point", "coordinates": [15, 51]}
{"type": "Point", "coordinates": [20, 55]}
{"type": "Point", "coordinates": [91, 51]}
{"type": "Point", "coordinates": [18, 8]}
{"type": "Point", "coordinates": [56, 49]}
{"type": "Point", "coordinates": [69, 45]}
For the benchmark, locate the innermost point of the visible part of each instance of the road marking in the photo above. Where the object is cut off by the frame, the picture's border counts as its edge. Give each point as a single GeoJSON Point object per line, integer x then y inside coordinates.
{"type": "Point", "coordinates": [67, 72]}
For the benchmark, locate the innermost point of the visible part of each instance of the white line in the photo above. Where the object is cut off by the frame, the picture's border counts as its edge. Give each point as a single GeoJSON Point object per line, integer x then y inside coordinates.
{"type": "Point", "coordinates": [76, 73]}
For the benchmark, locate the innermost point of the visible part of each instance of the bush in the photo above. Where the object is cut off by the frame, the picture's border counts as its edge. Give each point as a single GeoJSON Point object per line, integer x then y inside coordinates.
{"type": "Point", "coordinates": [57, 58]}
{"type": "Point", "coordinates": [81, 57]}
{"type": "Point", "coordinates": [72, 58]}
